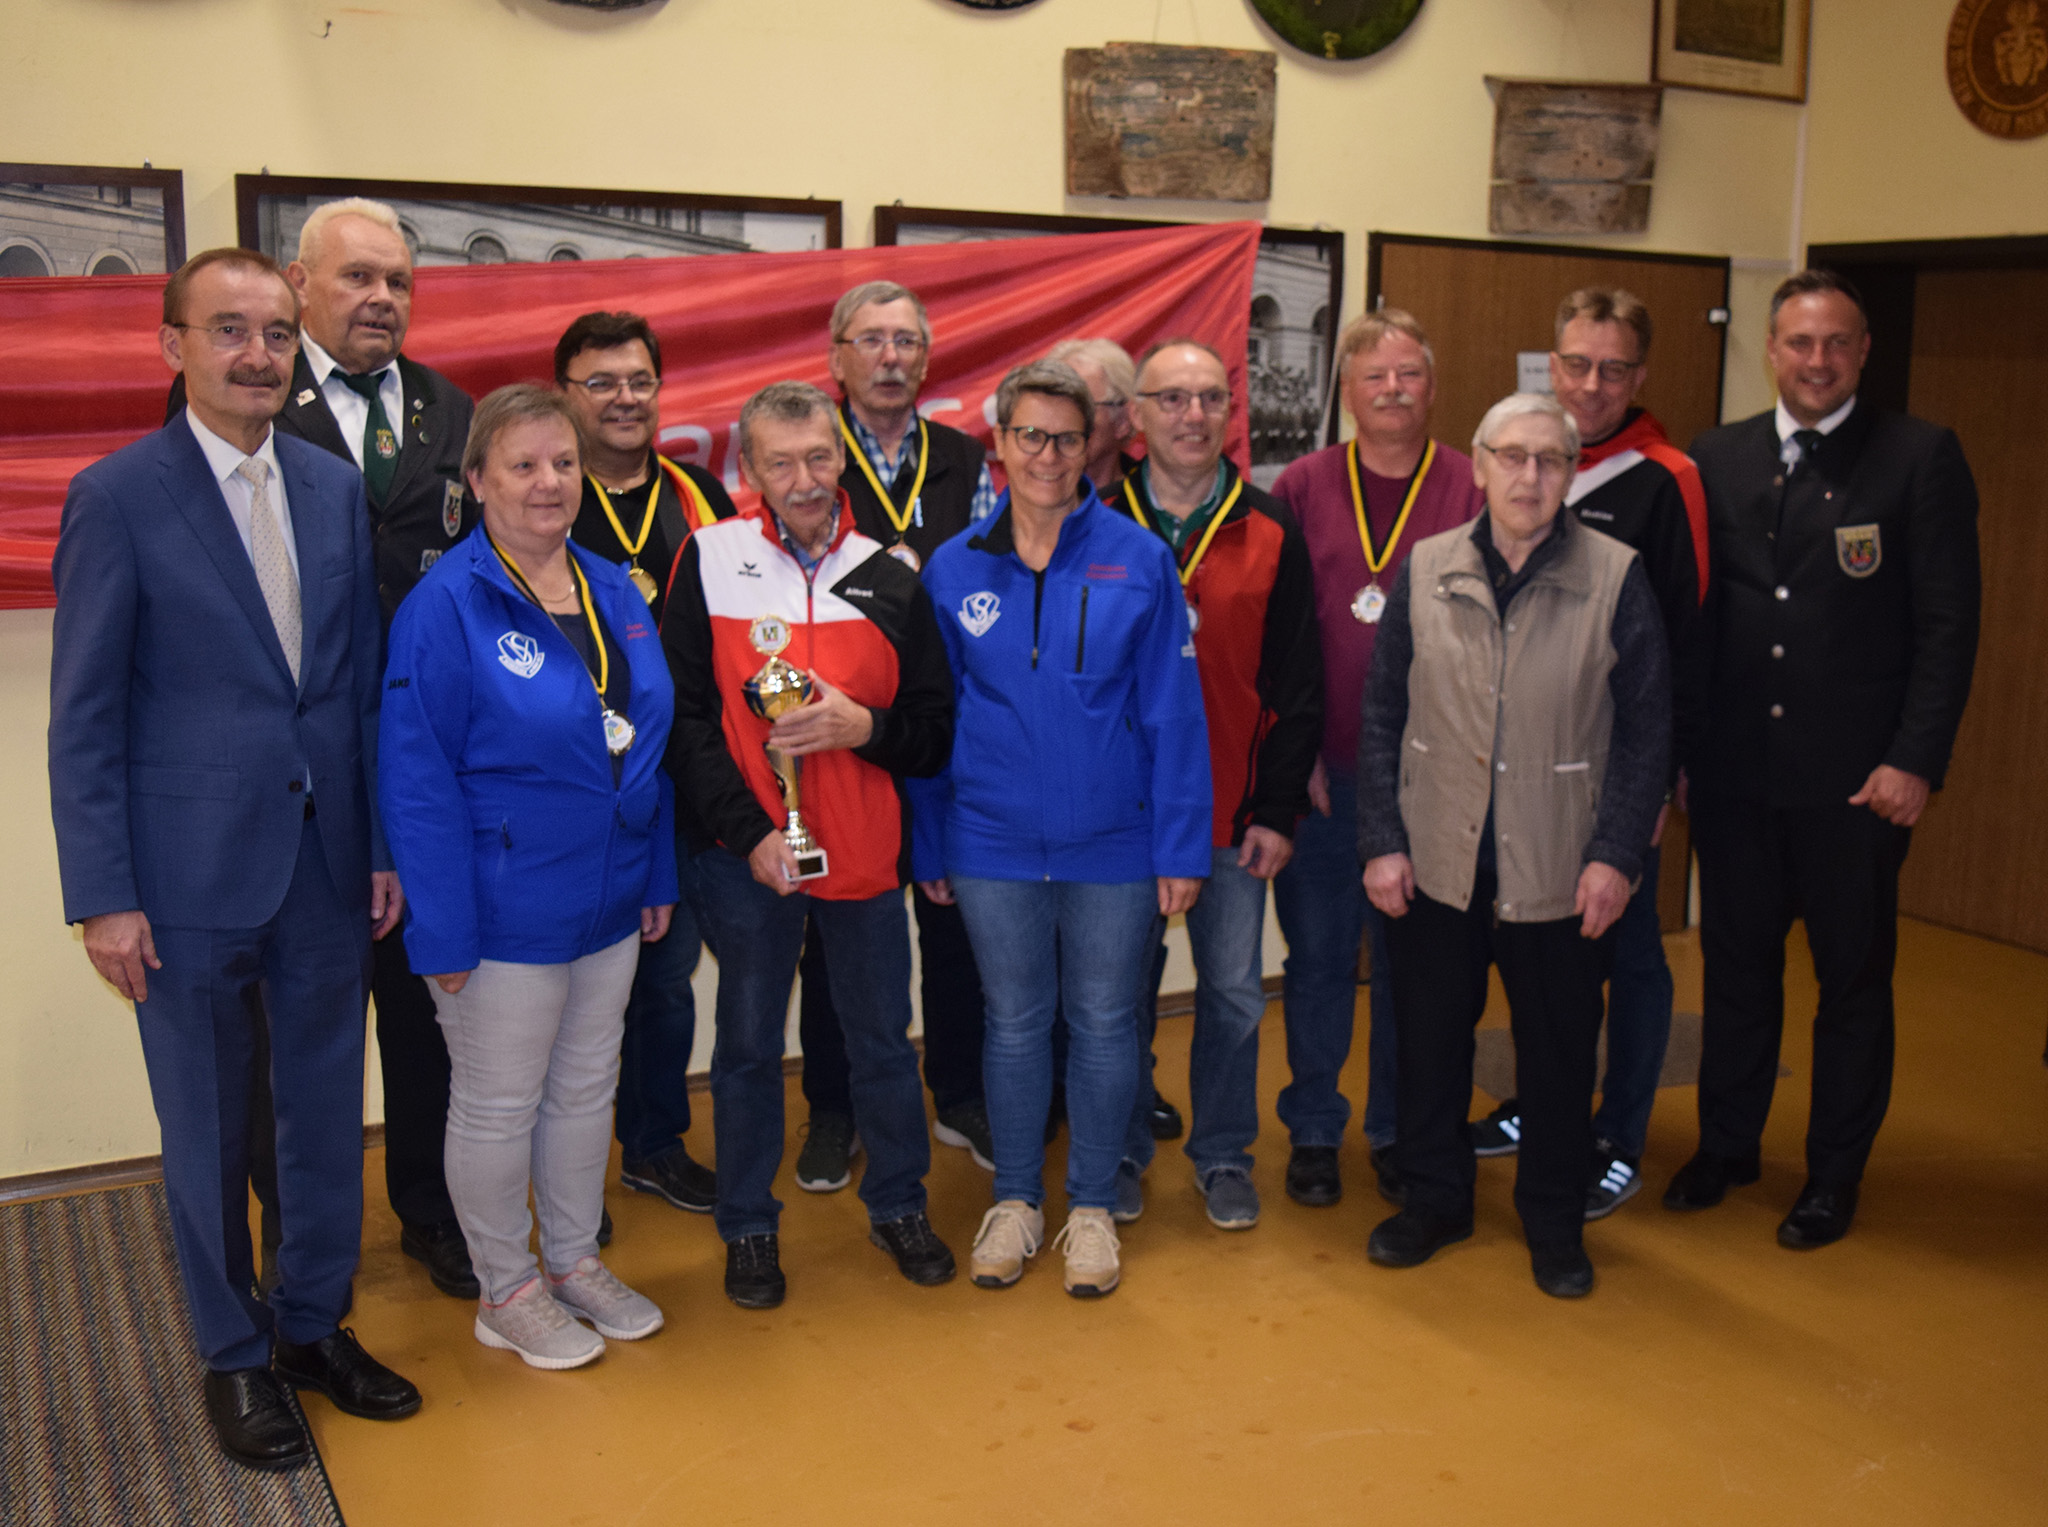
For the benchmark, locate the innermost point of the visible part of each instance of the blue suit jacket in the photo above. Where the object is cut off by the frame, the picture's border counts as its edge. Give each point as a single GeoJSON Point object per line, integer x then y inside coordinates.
{"type": "Point", "coordinates": [176, 734]}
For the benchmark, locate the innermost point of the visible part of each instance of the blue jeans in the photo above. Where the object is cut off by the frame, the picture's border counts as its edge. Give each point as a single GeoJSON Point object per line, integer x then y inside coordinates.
{"type": "Point", "coordinates": [1226, 926]}
{"type": "Point", "coordinates": [661, 1030]}
{"type": "Point", "coordinates": [1043, 944]}
{"type": "Point", "coordinates": [757, 937]}
{"type": "Point", "coordinates": [1320, 902]}
{"type": "Point", "coordinates": [1638, 1020]}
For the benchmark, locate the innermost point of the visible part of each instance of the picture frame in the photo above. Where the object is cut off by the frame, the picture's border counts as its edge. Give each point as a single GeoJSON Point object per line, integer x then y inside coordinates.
{"type": "Point", "coordinates": [90, 219]}
{"type": "Point", "coordinates": [1297, 305]}
{"type": "Point", "coordinates": [462, 223]}
{"type": "Point", "coordinates": [1735, 47]}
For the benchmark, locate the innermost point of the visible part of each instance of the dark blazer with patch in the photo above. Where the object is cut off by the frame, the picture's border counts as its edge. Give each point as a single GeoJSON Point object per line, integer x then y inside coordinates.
{"type": "Point", "coordinates": [428, 509]}
{"type": "Point", "coordinates": [1841, 615]}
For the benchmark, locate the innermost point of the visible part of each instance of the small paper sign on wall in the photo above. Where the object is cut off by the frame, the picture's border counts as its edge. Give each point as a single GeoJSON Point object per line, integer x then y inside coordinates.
{"type": "Point", "coordinates": [1532, 371]}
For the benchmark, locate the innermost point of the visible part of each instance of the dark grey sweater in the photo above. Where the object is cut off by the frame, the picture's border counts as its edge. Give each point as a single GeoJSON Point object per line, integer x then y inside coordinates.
{"type": "Point", "coordinates": [1638, 755]}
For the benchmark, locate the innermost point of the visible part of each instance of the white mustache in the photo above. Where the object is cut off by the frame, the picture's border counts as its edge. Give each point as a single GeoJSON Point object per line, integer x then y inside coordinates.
{"type": "Point", "coordinates": [892, 374]}
{"type": "Point", "coordinates": [1395, 400]}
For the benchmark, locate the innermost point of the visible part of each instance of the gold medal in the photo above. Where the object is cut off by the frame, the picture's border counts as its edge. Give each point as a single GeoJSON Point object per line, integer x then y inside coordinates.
{"type": "Point", "coordinates": [643, 580]}
{"type": "Point", "coordinates": [633, 545]}
{"type": "Point", "coordinates": [618, 732]}
{"type": "Point", "coordinates": [903, 553]}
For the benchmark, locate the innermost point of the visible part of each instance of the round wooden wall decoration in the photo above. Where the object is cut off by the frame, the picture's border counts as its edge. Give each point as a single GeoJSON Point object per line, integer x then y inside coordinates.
{"type": "Point", "coordinates": [1338, 28]}
{"type": "Point", "coordinates": [994, 5]}
{"type": "Point", "coordinates": [1998, 65]}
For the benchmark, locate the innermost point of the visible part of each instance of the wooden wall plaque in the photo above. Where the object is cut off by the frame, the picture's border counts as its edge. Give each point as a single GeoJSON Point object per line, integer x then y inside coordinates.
{"type": "Point", "coordinates": [1192, 124]}
{"type": "Point", "coordinates": [1572, 158]}
{"type": "Point", "coordinates": [1998, 65]}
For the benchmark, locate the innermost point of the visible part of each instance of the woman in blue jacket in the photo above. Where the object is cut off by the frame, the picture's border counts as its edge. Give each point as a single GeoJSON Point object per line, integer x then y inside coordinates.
{"type": "Point", "coordinates": [526, 710]}
{"type": "Point", "coordinates": [1074, 813]}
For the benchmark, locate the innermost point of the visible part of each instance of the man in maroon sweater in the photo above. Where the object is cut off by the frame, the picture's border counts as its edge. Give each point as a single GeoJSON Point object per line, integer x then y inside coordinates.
{"type": "Point", "coordinates": [1361, 506]}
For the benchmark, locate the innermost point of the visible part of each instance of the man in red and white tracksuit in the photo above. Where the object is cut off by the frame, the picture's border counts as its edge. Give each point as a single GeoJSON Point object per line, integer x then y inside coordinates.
{"type": "Point", "coordinates": [793, 583]}
{"type": "Point", "coordinates": [1245, 573]}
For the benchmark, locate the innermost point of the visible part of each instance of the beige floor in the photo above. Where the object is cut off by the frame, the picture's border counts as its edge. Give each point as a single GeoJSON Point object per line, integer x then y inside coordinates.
{"type": "Point", "coordinates": [1276, 1376]}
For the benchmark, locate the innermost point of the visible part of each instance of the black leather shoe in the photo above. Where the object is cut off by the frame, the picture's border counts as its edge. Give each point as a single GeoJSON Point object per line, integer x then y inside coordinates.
{"type": "Point", "coordinates": [1820, 1217]}
{"type": "Point", "coordinates": [920, 1255]}
{"type": "Point", "coordinates": [339, 1368]}
{"type": "Point", "coordinates": [676, 1176]}
{"type": "Point", "coordinates": [446, 1255]}
{"type": "Point", "coordinates": [1388, 1176]}
{"type": "Point", "coordinates": [1164, 1119]}
{"type": "Point", "coordinates": [1705, 1180]}
{"type": "Point", "coordinates": [1312, 1176]}
{"type": "Point", "coordinates": [753, 1272]}
{"type": "Point", "coordinates": [254, 1421]}
{"type": "Point", "coordinates": [1563, 1273]}
{"type": "Point", "coordinates": [1410, 1239]}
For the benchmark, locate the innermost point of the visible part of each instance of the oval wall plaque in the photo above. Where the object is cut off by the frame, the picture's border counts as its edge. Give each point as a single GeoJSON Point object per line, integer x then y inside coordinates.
{"type": "Point", "coordinates": [1338, 28]}
{"type": "Point", "coordinates": [1998, 65]}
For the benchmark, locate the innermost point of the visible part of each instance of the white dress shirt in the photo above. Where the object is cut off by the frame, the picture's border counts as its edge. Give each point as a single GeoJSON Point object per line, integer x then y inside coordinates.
{"type": "Point", "coordinates": [1789, 449]}
{"type": "Point", "coordinates": [349, 408]}
{"type": "Point", "coordinates": [223, 459]}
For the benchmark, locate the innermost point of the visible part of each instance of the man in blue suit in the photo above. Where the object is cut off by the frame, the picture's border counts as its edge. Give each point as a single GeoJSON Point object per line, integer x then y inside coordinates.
{"type": "Point", "coordinates": [213, 715]}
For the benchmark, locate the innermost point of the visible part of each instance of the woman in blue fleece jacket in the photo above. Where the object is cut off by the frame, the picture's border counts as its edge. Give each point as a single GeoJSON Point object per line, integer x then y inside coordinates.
{"type": "Point", "coordinates": [1075, 811]}
{"type": "Point", "coordinates": [526, 710]}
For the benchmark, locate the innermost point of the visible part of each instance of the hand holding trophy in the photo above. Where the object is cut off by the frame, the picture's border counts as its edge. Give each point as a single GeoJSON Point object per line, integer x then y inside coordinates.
{"type": "Point", "coordinates": [779, 688]}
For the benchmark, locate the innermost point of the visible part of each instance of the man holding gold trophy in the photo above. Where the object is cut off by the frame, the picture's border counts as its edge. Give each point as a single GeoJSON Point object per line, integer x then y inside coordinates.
{"type": "Point", "coordinates": [810, 679]}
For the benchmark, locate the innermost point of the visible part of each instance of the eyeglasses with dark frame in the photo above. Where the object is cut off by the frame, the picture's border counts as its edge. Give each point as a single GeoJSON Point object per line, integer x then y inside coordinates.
{"type": "Point", "coordinates": [1069, 443]}
{"type": "Point", "coordinates": [1177, 400]}
{"type": "Point", "coordinates": [230, 337]}
{"type": "Point", "coordinates": [1515, 460]}
{"type": "Point", "coordinates": [1576, 367]}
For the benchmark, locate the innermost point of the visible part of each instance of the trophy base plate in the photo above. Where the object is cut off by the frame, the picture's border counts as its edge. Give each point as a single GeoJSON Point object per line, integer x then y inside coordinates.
{"type": "Point", "coordinates": [810, 866]}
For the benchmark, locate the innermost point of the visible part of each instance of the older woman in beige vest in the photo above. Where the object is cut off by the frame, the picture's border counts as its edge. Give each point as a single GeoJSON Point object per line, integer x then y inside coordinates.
{"type": "Point", "coordinates": [1516, 737]}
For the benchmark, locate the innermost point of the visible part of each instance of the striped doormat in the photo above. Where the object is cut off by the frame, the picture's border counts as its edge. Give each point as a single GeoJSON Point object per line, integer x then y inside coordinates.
{"type": "Point", "coordinates": [101, 1419]}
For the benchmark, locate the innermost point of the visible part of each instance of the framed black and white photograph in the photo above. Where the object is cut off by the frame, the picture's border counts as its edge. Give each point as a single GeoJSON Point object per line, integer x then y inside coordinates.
{"type": "Point", "coordinates": [1297, 296]}
{"type": "Point", "coordinates": [90, 220]}
{"type": "Point", "coordinates": [454, 223]}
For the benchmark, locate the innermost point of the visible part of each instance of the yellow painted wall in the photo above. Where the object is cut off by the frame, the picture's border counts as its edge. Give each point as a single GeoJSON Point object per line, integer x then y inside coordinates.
{"type": "Point", "coordinates": [866, 101]}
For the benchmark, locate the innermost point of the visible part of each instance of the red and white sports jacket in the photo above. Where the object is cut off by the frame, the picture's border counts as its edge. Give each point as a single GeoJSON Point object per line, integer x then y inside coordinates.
{"type": "Point", "coordinates": [861, 621]}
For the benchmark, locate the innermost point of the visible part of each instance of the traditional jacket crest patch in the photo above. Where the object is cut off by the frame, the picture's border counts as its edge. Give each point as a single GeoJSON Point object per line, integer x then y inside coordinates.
{"type": "Point", "coordinates": [451, 509]}
{"type": "Point", "coordinates": [1859, 549]}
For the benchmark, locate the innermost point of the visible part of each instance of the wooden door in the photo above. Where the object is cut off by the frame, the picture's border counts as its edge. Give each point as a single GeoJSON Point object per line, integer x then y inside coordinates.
{"type": "Point", "coordinates": [1980, 365]}
{"type": "Point", "coordinates": [1484, 301]}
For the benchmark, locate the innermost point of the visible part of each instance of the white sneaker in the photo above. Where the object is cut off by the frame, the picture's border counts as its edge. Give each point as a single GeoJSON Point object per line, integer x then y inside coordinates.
{"type": "Point", "coordinates": [1010, 1236]}
{"type": "Point", "coordinates": [592, 1291]}
{"type": "Point", "coordinates": [1089, 1240]}
{"type": "Point", "coordinates": [538, 1329]}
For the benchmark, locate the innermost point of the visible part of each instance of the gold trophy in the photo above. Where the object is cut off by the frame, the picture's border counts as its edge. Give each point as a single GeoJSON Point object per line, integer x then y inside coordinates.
{"type": "Point", "coordinates": [779, 688]}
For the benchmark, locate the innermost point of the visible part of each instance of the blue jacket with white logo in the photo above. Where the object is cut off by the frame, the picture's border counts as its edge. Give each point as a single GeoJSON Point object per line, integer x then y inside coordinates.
{"type": "Point", "coordinates": [1080, 748]}
{"type": "Point", "coordinates": [513, 839]}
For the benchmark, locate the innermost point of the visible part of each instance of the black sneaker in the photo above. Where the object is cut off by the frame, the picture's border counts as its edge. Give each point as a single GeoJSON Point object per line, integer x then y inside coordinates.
{"type": "Point", "coordinates": [1388, 1176]}
{"type": "Point", "coordinates": [967, 1127]}
{"type": "Point", "coordinates": [1312, 1177]}
{"type": "Point", "coordinates": [673, 1175]}
{"type": "Point", "coordinates": [920, 1255]}
{"type": "Point", "coordinates": [1410, 1239]}
{"type": "Point", "coordinates": [825, 1164]}
{"type": "Point", "coordinates": [1616, 1179]}
{"type": "Point", "coordinates": [1164, 1120]}
{"type": "Point", "coordinates": [753, 1272]}
{"type": "Point", "coordinates": [1500, 1132]}
{"type": "Point", "coordinates": [1562, 1272]}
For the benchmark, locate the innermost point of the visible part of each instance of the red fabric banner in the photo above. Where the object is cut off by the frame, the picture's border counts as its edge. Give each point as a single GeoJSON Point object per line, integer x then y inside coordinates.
{"type": "Point", "coordinates": [80, 373]}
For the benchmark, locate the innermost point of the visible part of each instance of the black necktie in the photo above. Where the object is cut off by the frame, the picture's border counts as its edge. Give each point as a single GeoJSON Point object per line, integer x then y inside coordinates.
{"type": "Point", "coordinates": [1809, 442]}
{"type": "Point", "coordinates": [380, 440]}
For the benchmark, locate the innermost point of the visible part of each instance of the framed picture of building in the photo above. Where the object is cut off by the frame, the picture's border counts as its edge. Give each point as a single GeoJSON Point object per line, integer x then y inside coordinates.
{"type": "Point", "coordinates": [1739, 47]}
{"type": "Point", "coordinates": [454, 223]}
{"type": "Point", "coordinates": [90, 220]}
{"type": "Point", "coordinates": [1297, 295]}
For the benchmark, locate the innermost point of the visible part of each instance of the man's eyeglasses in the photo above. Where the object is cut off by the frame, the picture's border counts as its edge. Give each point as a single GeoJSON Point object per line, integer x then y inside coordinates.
{"type": "Point", "coordinates": [1576, 367]}
{"type": "Point", "coordinates": [1514, 460]}
{"type": "Point", "coordinates": [1177, 400]}
{"type": "Point", "coordinates": [605, 386]}
{"type": "Point", "coordinates": [1070, 443]}
{"type": "Point", "coordinates": [230, 337]}
{"type": "Point", "coordinates": [872, 345]}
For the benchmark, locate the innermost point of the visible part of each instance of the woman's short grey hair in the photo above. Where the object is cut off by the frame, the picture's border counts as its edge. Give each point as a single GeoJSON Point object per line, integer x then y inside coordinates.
{"type": "Point", "coordinates": [1049, 379]}
{"type": "Point", "coordinates": [878, 291]}
{"type": "Point", "coordinates": [789, 402]}
{"type": "Point", "coordinates": [1517, 405]}
{"type": "Point", "coordinates": [1118, 369]}
{"type": "Point", "coordinates": [512, 405]}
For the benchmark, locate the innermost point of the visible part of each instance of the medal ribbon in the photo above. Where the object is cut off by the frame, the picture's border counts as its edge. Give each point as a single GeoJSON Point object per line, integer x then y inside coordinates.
{"type": "Point", "coordinates": [1216, 520]}
{"type": "Point", "coordinates": [603, 677]}
{"type": "Point", "coordinates": [901, 520]}
{"type": "Point", "coordinates": [1377, 565]}
{"type": "Point", "coordinates": [689, 491]}
{"type": "Point", "coordinates": [633, 547]}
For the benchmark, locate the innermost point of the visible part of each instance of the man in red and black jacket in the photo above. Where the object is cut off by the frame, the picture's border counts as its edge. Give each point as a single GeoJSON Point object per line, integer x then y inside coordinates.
{"type": "Point", "coordinates": [1244, 568]}
{"type": "Point", "coordinates": [794, 584]}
